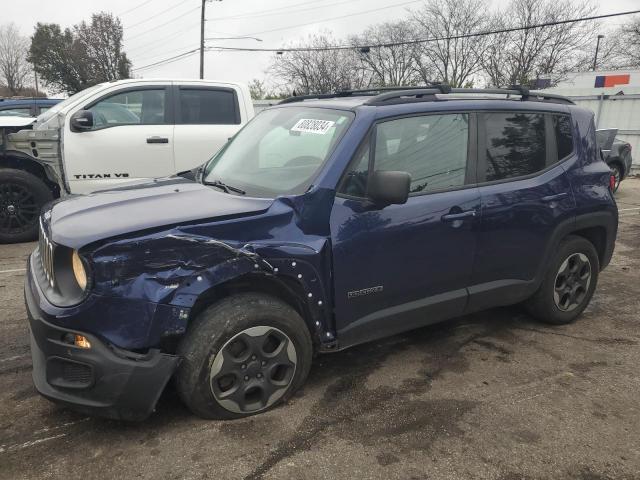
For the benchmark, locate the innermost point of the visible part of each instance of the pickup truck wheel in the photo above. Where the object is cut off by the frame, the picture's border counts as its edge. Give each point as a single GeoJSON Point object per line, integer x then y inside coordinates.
{"type": "Point", "coordinates": [243, 356]}
{"type": "Point", "coordinates": [569, 283]}
{"type": "Point", "coordinates": [22, 196]}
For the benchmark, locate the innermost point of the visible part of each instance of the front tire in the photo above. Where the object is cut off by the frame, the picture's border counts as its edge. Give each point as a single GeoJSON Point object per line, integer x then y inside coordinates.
{"type": "Point", "coordinates": [569, 283]}
{"type": "Point", "coordinates": [243, 356]}
{"type": "Point", "coordinates": [22, 196]}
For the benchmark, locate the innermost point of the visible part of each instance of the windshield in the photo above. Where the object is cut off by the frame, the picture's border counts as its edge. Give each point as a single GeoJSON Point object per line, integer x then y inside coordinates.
{"type": "Point", "coordinates": [51, 112]}
{"type": "Point", "coordinates": [279, 151]}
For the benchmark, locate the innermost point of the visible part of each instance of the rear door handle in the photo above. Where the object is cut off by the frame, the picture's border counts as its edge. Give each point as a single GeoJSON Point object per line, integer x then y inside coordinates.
{"type": "Point", "coordinates": [553, 198]}
{"type": "Point", "coordinates": [157, 140]}
{"type": "Point", "coordinates": [452, 217]}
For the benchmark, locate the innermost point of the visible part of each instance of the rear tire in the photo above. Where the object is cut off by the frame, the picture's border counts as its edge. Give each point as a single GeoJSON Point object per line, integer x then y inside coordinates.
{"type": "Point", "coordinates": [568, 284]}
{"type": "Point", "coordinates": [243, 356]}
{"type": "Point", "coordinates": [22, 196]}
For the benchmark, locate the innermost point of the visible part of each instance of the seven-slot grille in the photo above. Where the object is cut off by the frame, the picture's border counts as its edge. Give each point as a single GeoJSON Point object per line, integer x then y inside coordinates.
{"type": "Point", "coordinates": [46, 255]}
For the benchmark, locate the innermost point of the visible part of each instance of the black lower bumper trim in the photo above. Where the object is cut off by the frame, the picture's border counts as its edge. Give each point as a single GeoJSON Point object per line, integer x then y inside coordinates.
{"type": "Point", "coordinates": [101, 380]}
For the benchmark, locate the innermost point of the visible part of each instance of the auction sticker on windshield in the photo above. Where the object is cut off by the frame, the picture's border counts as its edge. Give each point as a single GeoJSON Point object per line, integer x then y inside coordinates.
{"type": "Point", "coordinates": [310, 125]}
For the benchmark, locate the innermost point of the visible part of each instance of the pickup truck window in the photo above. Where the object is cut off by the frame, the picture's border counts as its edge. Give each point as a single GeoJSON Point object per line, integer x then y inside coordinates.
{"type": "Point", "coordinates": [279, 151]}
{"type": "Point", "coordinates": [200, 106]}
{"type": "Point", "coordinates": [133, 107]}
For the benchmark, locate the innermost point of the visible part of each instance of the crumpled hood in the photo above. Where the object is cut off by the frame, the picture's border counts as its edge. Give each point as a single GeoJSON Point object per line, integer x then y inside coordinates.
{"type": "Point", "coordinates": [80, 220]}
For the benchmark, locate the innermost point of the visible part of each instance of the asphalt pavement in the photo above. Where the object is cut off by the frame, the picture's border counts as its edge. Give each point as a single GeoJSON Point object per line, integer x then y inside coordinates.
{"type": "Point", "coordinates": [493, 395]}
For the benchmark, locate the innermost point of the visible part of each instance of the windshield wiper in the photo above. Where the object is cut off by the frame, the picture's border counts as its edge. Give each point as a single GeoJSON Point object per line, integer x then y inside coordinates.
{"type": "Point", "coordinates": [224, 187]}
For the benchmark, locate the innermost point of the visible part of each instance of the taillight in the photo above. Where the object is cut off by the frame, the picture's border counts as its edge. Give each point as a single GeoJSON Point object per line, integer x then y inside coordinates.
{"type": "Point", "coordinates": [612, 182]}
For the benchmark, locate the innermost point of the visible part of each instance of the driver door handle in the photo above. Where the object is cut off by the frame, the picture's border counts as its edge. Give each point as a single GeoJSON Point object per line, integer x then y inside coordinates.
{"type": "Point", "coordinates": [157, 140]}
{"type": "Point", "coordinates": [553, 198]}
{"type": "Point", "coordinates": [452, 217]}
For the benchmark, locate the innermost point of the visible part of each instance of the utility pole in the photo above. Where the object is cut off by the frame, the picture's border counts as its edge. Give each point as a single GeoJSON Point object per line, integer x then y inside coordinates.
{"type": "Point", "coordinates": [202, 19]}
{"type": "Point", "coordinates": [595, 57]}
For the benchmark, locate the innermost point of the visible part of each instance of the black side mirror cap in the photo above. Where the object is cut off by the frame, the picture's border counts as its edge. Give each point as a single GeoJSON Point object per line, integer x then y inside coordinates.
{"type": "Point", "coordinates": [389, 187]}
{"type": "Point", "coordinates": [81, 120]}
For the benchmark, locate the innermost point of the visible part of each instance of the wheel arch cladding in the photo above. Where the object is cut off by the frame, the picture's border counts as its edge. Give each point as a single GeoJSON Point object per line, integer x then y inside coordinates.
{"type": "Point", "coordinates": [188, 272]}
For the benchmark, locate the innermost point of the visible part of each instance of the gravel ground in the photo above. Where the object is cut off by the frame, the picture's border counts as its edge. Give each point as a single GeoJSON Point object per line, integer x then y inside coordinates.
{"type": "Point", "coordinates": [492, 395]}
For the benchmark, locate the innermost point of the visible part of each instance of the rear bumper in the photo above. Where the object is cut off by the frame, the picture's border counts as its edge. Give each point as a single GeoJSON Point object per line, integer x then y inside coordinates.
{"type": "Point", "coordinates": [102, 380]}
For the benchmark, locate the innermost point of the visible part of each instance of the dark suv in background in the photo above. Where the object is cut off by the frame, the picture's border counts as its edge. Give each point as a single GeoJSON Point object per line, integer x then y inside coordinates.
{"type": "Point", "coordinates": [26, 107]}
{"type": "Point", "coordinates": [326, 222]}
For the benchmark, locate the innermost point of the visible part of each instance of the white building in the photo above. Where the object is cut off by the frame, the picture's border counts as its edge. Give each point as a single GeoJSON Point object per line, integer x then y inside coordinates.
{"type": "Point", "coordinates": [614, 97]}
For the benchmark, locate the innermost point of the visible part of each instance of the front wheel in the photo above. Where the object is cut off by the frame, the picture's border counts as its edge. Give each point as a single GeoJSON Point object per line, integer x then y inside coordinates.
{"type": "Point", "coordinates": [243, 356]}
{"type": "Point", "coordinates": [568, 284]}
{"type": "Point", "coordinates": [22, 196]}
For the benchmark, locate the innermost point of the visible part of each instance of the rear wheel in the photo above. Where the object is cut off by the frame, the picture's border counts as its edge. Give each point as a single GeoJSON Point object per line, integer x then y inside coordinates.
{"type": "Point", "coordinates": [569, 283]}
{"type": "Point", "coordinates": [22, 196]}
{"type": "Point", "coordinates": [243, 356]}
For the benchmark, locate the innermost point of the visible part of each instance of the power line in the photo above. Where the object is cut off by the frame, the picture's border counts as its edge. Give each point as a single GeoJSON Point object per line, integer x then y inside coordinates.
{"type": "Point", "coordinates": [277, 11]}
{"type": "Point", "coordinates": [154, 28]}
{"type": "Point", "coordinates": [156, 15]}
{"type": "Point", "coordinates": [168, 60]}
{"type": "Point", "coordinates": [423, 40]}
{"type": "Point", "coordinates": [335, 18]}
{"type": "Point", "coordinates": [134, 8]}
{"type": "Point", "coordinates": [390, 44]}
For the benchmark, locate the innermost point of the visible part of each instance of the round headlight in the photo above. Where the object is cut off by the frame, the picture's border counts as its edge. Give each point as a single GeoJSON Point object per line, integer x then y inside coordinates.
{"type": "Point", "coordinates": [78, 270]}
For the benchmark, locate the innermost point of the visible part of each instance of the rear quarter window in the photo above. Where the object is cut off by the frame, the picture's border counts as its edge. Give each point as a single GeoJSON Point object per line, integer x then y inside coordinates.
{"type": "Point", "coordinates": [564, 136]}
{"type": "Point", "coordinates": [201, 106]}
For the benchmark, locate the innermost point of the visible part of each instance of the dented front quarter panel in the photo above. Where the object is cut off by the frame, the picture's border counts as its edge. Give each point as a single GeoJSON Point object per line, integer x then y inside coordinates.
{"type": "Point", "coordinates": [178, 265]}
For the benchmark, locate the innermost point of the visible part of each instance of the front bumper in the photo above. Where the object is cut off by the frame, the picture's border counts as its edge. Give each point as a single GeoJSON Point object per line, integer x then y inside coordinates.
{"type": "Point", "coordinates": [103, 379]}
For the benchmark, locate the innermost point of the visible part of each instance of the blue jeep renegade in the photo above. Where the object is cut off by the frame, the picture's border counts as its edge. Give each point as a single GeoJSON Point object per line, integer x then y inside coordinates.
{"type": "Point", "coordinates": [326, 222]}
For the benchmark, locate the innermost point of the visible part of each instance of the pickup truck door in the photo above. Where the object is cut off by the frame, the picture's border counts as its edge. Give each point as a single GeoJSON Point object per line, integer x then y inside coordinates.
{"type": "Point", "coordinates": [206, 117]}
{"type": "Point", "coordinates": [399, 267]}
{"type": "Point", "coordinates": [132, 139]}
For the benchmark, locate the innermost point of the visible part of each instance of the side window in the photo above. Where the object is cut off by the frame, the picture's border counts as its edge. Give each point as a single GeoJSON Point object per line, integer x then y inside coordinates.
{"type": "Point", "coordinates": [16, 112]}
{"type": "Point", "coordinates": [515, 145]}
{"type": "Point", "coordinates": [199, 106]}
{"type": "Point", "coordinates": [432, 148]}
{"type": "Point", "coordinates": [133, 107]}
{"type": "Point", "coordinates": [564, 138]}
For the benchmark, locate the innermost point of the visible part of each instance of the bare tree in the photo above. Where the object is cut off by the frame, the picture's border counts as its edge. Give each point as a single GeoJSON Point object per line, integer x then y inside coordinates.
{"type": "Point", "coordinates": [317, 71]}
{"type": "Point", "coordinates": [518, 57]}
{"type": "Point", "coordinates": [14, 68]}
{"type": "Point", "coordinates": [630, 35]}
{"type": "Point", "coordinates": [389, 64]}
{"type": "Point", "coordinates": [452, 56]}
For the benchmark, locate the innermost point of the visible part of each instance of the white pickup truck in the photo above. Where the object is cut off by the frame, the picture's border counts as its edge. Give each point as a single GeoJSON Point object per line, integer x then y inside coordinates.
{"type": "Point", "coordinates": [109, 135]}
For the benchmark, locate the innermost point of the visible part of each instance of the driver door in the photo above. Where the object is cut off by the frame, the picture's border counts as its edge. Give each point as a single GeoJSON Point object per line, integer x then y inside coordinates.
{"type": "Point", "coordinates": [131, 139]}
{"type": "Point", "coordinates": [398, 267]}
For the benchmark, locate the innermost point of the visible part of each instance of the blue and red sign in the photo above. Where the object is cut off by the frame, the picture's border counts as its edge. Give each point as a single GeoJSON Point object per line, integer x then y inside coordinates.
{"type": "Point", "coordinates": [612, 80]}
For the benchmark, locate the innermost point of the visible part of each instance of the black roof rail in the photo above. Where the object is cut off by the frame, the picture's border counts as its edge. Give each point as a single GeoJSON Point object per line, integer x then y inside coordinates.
{"type": "Point", "coordinates": [429, 94]}
{"type": "Point", "coordinates": [408, 94]}
{"type": "Point", "coordinates": [361, 92]}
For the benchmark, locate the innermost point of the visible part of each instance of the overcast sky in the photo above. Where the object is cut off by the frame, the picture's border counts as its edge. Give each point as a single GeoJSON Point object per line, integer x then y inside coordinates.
{"type": "Point", "coordinates": [159, 29]}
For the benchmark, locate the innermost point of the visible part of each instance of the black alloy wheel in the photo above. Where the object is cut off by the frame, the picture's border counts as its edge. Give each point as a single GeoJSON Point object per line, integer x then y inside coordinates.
{"type": "Point", "coordinates": [253, 369]}
{"type": "Point", "coordinates": [19, 208]}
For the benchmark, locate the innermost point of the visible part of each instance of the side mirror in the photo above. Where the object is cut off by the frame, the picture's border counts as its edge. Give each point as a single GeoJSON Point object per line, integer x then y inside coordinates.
{"type": "Point", "coordinates": [81, 120]}
{"type": "Point", "coordinates": [389, 187]}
